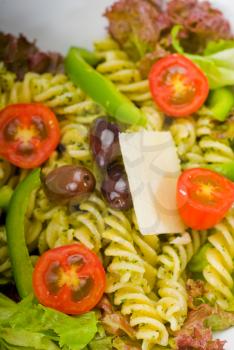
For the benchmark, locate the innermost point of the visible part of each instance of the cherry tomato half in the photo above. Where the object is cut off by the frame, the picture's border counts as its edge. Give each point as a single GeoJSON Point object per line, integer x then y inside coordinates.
{"type": "Point", "coordinates": [70, 279]}
{"type": "Point", "coordinates": [29, 133]}
{"type": "Point", "coordinates": [203, 197]}
{"type": "Point", "coordinates": [178, 86]}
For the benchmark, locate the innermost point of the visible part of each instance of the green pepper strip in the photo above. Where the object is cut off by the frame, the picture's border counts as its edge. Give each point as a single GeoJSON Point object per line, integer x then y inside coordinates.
{"type": "Point", "coordinates": [219, 104]}
{"type": "Point", "coordinates": [20, 259]}
{"type": "Point", "coordinates": [199, 260]}
{"type": "Point", "coordinates": [225, 169]}
{"type": "Point", "coordinates": [90, 57]}
{"type": "Point", "coordinates": [101, 90]}
{"type": "Point", "coordinates": [5, 196]}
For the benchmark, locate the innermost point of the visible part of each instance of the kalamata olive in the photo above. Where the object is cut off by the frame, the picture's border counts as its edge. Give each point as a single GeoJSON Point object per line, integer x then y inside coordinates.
{"type": "Point", "coordinates": [104, 142]}
{"type": "Point", "coordinates": [115, 187]}
{"type": "Point", "coordinates": [69, 183]}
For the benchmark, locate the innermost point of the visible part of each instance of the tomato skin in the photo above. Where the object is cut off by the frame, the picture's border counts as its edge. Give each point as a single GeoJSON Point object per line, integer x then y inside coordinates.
{"type": "Point", "coordinates": [162, 90]}
{"type": "Point", "coordinates": [35, 118]}
{"type": "Point", "coordinates": [62, 299]}
{"type": "Point", "coordinates": [204, 213]}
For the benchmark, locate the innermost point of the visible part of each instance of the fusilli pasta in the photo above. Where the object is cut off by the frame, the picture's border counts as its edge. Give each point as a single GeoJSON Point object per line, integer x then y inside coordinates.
{"type": "Point", "coordinates": [218, 272]}
{"type": "Point", "coordinates": [197, 143]}
{"type": "Point", "coordinates": [128, 279]}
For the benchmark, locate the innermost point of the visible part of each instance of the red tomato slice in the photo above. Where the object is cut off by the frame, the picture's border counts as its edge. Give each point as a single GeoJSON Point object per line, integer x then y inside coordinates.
{"type": "Point", "coordinates": [29, 133]}
{"type": "Point", "coordinates": [70, 279]}
{"type": "Point", "coordinates": [178, 86]}
{"type": "Point", "coordinates": [203, 197]}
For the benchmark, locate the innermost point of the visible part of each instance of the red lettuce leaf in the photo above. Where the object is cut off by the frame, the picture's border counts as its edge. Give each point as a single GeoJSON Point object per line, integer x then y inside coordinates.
{"type": "Point", "coordinates": [201, 22]}
{"type": "Point", "coordinates": [113, 321]}
{"type": "Point", "coordinates": [142, 27]}
{"type": "Point", "coordinates": [136, 25]}
{"type": "Point", "coordinates": [197, 330]}
{"type": "Point", "coordinates": [21, 56]}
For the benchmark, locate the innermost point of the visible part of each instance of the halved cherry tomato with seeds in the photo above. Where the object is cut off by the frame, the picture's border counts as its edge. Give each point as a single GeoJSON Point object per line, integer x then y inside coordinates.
{"type": "Point", "coordinates": [29, 133]}
{"type": "Point", "coordinates": [203, 197]}
{"type": "Point", "coordinates": [178, 86]}
{"type": "Point", "coordinates": [70, 279]}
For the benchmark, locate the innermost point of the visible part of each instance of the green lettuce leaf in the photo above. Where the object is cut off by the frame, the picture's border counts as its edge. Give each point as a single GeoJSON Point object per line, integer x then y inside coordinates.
{"type": "Point", "coordinates": [220, 320]}
{"type": "Point", "coordinates": [218, 66]}
{"type": "Point", "coordinates": [26, 339]}
{"type": "Point", "coordinates": [100, 344]}
{"type": "Point", "coordinates": [216, 46]}
{"type": "Point", "coordinates": [74, 332]}
{"type": "Point", "coordinates": [217, 69]}
{"type": "Point", "coordinates": [28, 325]}
{"type": "Point", "coordinates": [7, 308]}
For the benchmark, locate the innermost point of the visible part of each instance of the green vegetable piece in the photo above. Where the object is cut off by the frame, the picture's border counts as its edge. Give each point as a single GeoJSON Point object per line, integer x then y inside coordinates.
{"type": "Point", "coordinates": [175, 40]}
{"type": "Point", "coordinates": [216, 46]}
{"type": "Point", "coordinates": [18, 252]}
{"type": "Point", "coordinates": [26, 340]}
{"type": "Point", "coordinates": [74, 332]}
{"type": "Point", "coordinates": [90, 57]}
{"type": "Point", "coordinates": [220, 320]}
{"type": "Point", "coordinates": [218, 66]}
{"type": "Point", "coordinates": [199, 261]}
{"type": "Point", "coordinates": [5, 196]}
{"type": "Point", "coordinates": [7, 308]}
{"type": "Point", "coordinates": [44, 328]}
{"type": "Point", "coordinates": [220, 103]}
{"type": "Point", "coordinates": [225, 169]}
{"type": "Point", "coordinates": [100, 344]}
{"type": "Point", "coordinates": [101, 90]}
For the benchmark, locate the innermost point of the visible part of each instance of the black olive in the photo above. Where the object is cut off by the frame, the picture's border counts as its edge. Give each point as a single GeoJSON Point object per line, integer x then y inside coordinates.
{"type": "Point", "coordinates": [104, 142]}
{"type": "Point", "coordinates": [115, 187]}
{"type": "Point", "coordinates": [69, 183]}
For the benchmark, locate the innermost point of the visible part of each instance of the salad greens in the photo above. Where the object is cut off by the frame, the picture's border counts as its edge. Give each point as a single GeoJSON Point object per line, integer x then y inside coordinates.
{"type": "Point", "coordinates": [217, 46]}
{"type": "Point", "coordinates": [21, 55]}
{"type": "Point", "coordinates": [28, 325]}
{"type": "Point", "coordinates": [220, 320]}
{"type": "Point", "coordinates": [218, 66]}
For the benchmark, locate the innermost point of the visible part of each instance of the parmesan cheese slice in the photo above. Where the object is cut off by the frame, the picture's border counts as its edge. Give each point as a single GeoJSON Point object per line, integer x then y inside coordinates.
{"type": "Point", "coordinates": [152, 167]}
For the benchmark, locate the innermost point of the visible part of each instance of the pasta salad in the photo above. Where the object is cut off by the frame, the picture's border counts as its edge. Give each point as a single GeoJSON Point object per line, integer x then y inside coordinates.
{"type": "Point", "coordinates": [77, 268]}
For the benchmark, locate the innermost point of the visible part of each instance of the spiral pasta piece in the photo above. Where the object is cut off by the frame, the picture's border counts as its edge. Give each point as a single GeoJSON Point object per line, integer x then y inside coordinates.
{"type": "Point", "coordinates": [75, 146]}
{"type": "Point", "coordinates": [7, 80]}
{"type": "Point", "coordinates": [175, 257]}
{"type": "Point", "coordinates": [197, 144]}
{"type": "Point", "coordinates": [128, 281]}
{"type": "Point", "coordinates": [218, 272]}
{"type": "Point", "coordinates": [172, 305]}
{"type": "Point", "coordinates": [63, 227]}
{"type": "Point", "coordinates": [56, 92]}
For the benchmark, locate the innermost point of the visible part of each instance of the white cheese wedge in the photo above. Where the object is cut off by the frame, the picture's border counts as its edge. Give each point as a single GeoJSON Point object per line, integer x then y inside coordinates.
{"type": "Point", "coordinates": [153, 167]}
